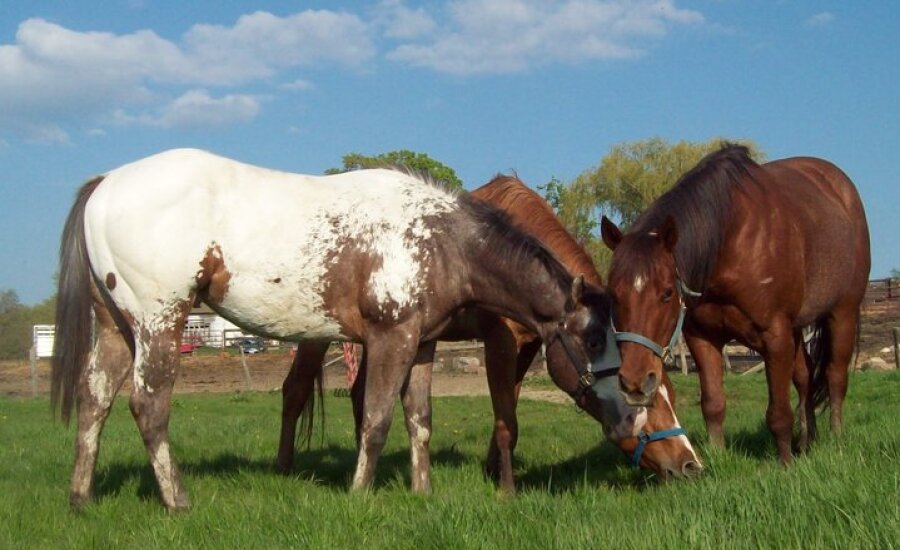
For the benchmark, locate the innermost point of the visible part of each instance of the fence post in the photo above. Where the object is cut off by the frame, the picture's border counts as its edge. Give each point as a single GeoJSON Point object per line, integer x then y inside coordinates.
{"type": "Point", "coordinates": [681, 354]}
{"type": "Point", "coordinates": [32, 356]}
{"type": "Point", "coordinates": [896, 347]}
{"type": "Point", "coordinates": [246, 370]}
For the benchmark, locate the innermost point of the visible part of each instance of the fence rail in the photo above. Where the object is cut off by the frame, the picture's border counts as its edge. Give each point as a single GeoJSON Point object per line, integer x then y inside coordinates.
{"type": "Point", "coordinates": [883, 290]}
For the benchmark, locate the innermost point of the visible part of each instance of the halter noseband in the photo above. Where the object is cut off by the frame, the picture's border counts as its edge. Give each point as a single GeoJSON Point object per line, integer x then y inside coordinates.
{"type": "Point", "coordinates": [586, 376]}
{"type": "Point", "coordinates": [644, 438]}
{"type": "Point", "coordinates": [664, 353]}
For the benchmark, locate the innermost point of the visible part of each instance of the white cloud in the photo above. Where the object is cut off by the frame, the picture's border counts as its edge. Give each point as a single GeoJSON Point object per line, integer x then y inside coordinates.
{"type": "Point", "coordinates": [298, 85]}
{"type": "Point", "coordinates": [45, 134]}
{"type": "Point", "coordinates": [196, 109]}
{"type": "Point", "coordinates": [820, 19]}
{"type": "Point", "coordinates": [401, 22]}
{"type": "Point", "coordinates": [503, 36]}
{"type": "Point", "coordinates": [52, 76]}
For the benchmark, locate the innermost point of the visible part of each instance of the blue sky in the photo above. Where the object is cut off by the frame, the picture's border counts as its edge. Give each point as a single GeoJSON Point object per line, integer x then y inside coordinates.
{"type": "Point", "coordinates": [541, 87]}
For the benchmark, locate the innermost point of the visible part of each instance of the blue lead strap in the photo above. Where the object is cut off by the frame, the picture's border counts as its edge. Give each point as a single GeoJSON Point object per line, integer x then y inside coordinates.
{"type": "Point", "coordinates": [644, 438]}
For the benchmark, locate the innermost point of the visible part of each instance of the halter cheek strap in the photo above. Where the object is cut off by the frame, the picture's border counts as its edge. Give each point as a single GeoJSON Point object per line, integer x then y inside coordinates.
{"type": "Point", "coordinates": [587, 376]}
{"type": "Point", "coordinates": [644, 438]}
{"type": "Point", "coordinates": [664, 353]}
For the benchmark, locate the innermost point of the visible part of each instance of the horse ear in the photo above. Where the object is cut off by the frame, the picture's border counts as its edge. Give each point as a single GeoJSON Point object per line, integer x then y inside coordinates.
{"type": "Point", "coordinates": [612, 236]}
{"type": "Point", "coordinates": [668, 233]}
{"type": "Point", "coordinates": [577, 288]}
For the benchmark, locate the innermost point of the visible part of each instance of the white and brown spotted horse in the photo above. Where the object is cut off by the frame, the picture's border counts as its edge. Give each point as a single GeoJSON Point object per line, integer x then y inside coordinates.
{"type": "Point", "coordinates": [509, 349]}
{"type": "Point", "coordinates": [373, 256]}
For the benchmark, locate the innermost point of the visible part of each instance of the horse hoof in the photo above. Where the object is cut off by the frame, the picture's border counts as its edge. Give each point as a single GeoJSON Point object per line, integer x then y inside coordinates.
{"type": "Point", "coordinates": [77, 502]}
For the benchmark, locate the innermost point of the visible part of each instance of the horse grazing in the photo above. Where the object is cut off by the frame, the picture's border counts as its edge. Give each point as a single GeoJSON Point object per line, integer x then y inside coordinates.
{"type": "Point", "coordinates": [767, 249]}
{"type": "Point", "coordinates": [509, 349]}
{"type": "Point", "coordinates": [378, 257]}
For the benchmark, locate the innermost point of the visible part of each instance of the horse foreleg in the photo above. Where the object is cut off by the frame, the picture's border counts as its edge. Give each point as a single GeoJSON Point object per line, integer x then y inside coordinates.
{"type": "Point", "coordinates": [708, 357]}
{"type": "Point", "coordinates": [779, 358]}
{"type": "Point", "coordinates": [99, 383]}
{"type": "Point", "coordinates": [390, 356]}
{"type": "Point", "coordinates": [156, 360]}
{"type": "Point", "coordinates": [295, 392]}
{"type": "Point", "coordinates": [416, 394]}
{"type": "Point", "coordinates": [500, 353]}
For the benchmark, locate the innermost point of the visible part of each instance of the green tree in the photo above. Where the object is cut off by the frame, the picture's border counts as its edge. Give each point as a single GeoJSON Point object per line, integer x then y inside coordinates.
{"type": "Point", "coordinates": [420, 162]}
{"type": "Point", "coordinates": [16, 321]}
{"type": "Point", "coordinates": [633, 175]}
{"type": "Point", "coordinates": [630, 177]}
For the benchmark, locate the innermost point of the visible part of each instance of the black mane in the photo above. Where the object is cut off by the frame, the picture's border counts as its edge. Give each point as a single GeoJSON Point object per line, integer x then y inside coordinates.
{"type": "Point", "coordinates": [507, 242]}
{"type": "Point", "coordinates": [700, 203]}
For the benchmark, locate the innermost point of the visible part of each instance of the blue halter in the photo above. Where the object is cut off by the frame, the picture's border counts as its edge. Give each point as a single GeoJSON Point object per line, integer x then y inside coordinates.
{"type": "Point", "coordinates": [664, 353]}
{"type": "Point", "coordinates": [644, 438]}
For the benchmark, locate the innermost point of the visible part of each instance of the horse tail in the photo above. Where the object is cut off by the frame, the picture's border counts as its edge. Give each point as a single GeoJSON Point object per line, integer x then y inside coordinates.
{"type": "Point", "coordinates": [307, 415]}
{"type": "Point", "coordinates": [819, 348]}
{"type": "Point", "coordinates": [74, 325]}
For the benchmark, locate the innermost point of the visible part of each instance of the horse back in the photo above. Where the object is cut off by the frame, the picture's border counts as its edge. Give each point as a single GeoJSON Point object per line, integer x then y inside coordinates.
{"type": "Point", "coordinates": [810, 240]}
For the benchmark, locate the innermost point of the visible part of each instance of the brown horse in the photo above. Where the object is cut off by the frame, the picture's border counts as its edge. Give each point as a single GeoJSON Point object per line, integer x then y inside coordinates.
{"type": "Point", "coordinates": [769, 249]}
{"type": "Point", "coordinates": [374, 256]}
{"type": "Point", "coordinates": [509, 349]}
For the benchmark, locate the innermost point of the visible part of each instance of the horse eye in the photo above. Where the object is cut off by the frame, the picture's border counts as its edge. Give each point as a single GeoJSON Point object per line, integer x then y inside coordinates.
{"type": "Point", "coordinates": [667, 295]}
{"type": "Point", "coordinates": [593, 343]}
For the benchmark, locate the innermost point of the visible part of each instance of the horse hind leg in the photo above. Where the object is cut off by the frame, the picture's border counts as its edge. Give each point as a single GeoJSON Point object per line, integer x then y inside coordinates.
{"type": "Point", "coordinates": [110, 362]}
{"type": "Point", "coordinates": [296, 391]}
{"type": "Point", "coordinates": [842, 327]}
{"type": "Point", "coordinates": [806, 417]}
{"type": "Point", "coordinates": [156, 361]}
{"type": "Point", "coordinates": [416, 397]}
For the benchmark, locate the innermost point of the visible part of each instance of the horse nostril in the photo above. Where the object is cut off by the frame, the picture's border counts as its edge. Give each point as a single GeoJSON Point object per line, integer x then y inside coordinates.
{"type": "Point", "coordinates": [650, 384]}
{"type": "Point", "coordinates": [636, 399]}
{"type": "Point", "coordinates": [691, 468]}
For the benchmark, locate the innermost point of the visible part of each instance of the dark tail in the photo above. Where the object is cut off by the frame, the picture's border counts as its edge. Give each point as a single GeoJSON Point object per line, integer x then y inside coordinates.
{"type": "Point", "coordinates": [307, 416]}
{"type": "Point", "coordinates": [819, 348]}
{"type": "Point", "coordinates": [74, 325]}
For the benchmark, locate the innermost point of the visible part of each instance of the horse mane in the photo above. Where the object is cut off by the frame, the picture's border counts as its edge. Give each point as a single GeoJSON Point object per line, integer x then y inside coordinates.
{"type": "Point", "coordinates": [507, 242]}
{"type": "Point", "coordinates": [700, 202]}
{"type": "Point", "coordinates": [532, 214]}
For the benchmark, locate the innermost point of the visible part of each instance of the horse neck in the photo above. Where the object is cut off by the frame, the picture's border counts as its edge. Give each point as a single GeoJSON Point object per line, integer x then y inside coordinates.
{"type": "Point", "coordinates": [517, 284]}
{"type": "Point", "coordinates": [533, 215]}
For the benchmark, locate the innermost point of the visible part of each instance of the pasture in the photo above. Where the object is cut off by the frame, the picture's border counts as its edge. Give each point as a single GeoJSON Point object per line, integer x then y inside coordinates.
{"type": "Point", "coordinates": [573, 491]}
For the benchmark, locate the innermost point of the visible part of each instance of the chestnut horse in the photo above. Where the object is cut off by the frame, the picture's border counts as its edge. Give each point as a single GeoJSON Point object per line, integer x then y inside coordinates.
{"type": "Point", "coordinates": [376, 256]}
{"type": "Point", "coordinates": [509, 349]}
{"type": "Point", "coordinates": [767, 249]}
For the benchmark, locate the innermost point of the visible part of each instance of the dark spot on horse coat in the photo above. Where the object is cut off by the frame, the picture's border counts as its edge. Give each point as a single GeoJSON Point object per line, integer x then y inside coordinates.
{"type": "Point", "coordinates": [276, 280]}
{"type": "Point", "coordinates": [213, 277]}
{"type": "Point", "coordinates": [111, 281]}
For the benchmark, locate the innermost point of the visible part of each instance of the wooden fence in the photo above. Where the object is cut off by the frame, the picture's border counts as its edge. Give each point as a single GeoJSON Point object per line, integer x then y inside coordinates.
{"type": "Point", "coordinates": [883, 290]}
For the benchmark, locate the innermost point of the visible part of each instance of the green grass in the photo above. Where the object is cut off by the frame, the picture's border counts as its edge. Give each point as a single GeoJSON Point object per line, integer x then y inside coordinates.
{"type": "Point", "coordinates": [574, 492]}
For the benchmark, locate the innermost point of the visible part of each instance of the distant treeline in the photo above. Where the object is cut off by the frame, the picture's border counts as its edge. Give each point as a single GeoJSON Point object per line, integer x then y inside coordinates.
{"type": "Point", "coordinates": [16, 320]}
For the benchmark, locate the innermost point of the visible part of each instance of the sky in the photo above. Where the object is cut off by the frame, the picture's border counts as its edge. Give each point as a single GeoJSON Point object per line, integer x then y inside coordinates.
{"type": "Point", "coordinates": [541, 87]}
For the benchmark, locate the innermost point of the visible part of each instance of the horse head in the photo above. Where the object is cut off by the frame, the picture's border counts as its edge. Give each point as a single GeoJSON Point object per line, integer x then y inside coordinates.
{"type": "Point", "coordinates": [648, 311]}
{"type": "Point", "coordinates": [583, 360]}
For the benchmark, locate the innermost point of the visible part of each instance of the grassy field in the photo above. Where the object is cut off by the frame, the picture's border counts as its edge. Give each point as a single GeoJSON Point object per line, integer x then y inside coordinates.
{"type": "Point", "coordinates": [574, 492]}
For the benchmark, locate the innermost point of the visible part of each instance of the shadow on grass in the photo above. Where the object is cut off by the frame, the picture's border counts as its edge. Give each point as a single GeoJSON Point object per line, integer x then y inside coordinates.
{"type": "Point", "coordinates": [330, 466]}
{"type": "Point", "coordinates": [602, 465]}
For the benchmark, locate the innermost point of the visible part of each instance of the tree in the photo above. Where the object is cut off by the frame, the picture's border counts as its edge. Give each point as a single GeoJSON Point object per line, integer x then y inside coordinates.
{"type": "Point", "coordinates": [633, 175]}
{"type": "Point", "coordinates": [16, 321]}
{"type": "Point", "coordinates": [420, 162]}
{"type": "Point", "coordinates": [630, 177]}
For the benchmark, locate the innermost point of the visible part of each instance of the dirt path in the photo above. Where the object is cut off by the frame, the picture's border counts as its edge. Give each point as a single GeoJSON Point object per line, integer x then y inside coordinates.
{"type": "Point", "coordinates": [215, 374]}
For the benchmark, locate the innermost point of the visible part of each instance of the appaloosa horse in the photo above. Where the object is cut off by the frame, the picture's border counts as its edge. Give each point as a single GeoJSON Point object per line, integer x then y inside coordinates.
{"type": "Point", "coordinates": [753, 253]}
{"type": "Point", "coordinates": [378, 257]}
{"type": "Point", "coordinates": [509, 349]}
